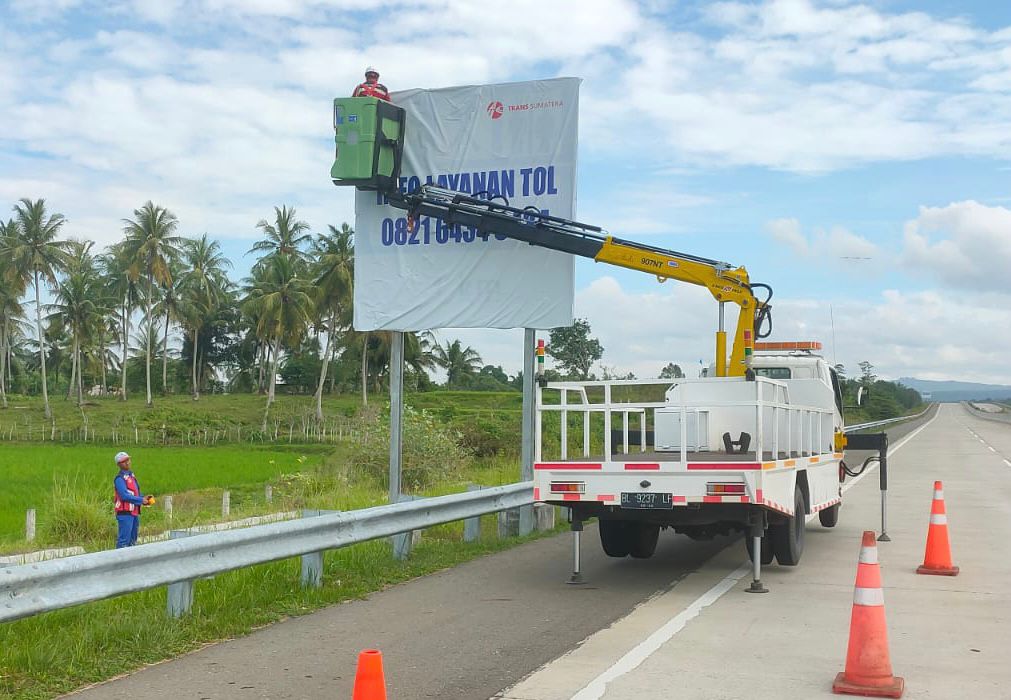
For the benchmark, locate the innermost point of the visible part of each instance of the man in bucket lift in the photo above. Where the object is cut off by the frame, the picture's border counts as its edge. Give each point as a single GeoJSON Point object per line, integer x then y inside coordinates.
{"type": "Point", "coordinates": [372, 87]}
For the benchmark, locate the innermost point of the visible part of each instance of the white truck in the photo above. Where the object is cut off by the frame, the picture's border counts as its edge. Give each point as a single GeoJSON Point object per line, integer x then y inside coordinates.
{"type": "Point", "coordinates": [703, 457]}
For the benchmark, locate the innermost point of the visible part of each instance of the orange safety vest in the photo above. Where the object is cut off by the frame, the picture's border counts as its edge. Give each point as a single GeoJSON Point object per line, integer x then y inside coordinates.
{"type": "Point", "coordinates": [122, 506]}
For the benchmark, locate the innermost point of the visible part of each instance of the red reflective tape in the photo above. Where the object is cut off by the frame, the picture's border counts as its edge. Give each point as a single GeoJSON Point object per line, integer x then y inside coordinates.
{"type": "Point", "coordinates": [758, 495]}
{"type": "Point", "coordinates": [679, 499]}
{"type": "Point", "coordinates": [606, 497]}
{"type": "Point", "coordinates": [743, 466]}
{"type": "Point", "coordinates": [744, 499]}
{"type": "Point", "coordinates": [712, 499]}
{"type": "Point", "coordinates": [635, 466]}
{"type": "Point", "coordinates": [566, 465]}
{"type": "Point", "coordinates": [570, 497]}
{"type": "Point", "coordinates": [537, 493]}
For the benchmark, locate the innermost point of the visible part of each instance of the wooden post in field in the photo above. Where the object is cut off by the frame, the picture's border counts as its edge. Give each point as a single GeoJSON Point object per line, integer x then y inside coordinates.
{"type": "Point", "coordinates": [30, 525]}
{"type": "Point", "coordinates": [167, 505]}
{"type": "Point", "coordinates": [226, 503]}
{"type": "Point", "coordinates": [268, 493]}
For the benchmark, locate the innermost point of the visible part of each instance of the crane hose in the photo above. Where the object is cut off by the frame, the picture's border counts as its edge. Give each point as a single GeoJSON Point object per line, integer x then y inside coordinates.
{"type": "Point", "coordinates": [863, 467]}
{"type": "Point", "coordinates": [763, 318]}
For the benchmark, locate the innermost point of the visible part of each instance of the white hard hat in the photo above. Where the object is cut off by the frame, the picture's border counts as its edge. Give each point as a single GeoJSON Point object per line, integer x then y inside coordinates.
{"type": "Point", "coordinates": [370, 69]}
{"type": "Point", "coordinates": [121, 457]}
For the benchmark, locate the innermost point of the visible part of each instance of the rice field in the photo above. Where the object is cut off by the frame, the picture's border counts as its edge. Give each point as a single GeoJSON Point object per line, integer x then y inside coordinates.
{"type": "Point", "coordinates": [50, 477]}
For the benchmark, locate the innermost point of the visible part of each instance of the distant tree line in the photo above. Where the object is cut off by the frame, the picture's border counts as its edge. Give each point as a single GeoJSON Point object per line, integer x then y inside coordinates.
{"type": "Point", "coordinates": [883, 400]}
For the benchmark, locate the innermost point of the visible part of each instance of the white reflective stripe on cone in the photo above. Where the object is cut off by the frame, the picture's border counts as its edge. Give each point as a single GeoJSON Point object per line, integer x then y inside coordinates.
{"type": "Point", "coordinates": [938, 519]}
{"type": "Point", "coordinates": [869, 555]}
{"type": "Point", "coordinates": [938, 494]}
{"type": "Point", "coordinates": [868, 596]}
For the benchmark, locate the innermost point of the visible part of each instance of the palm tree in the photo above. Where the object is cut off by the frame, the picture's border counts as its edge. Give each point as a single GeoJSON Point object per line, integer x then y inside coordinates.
{"type": "Point", "coordinates": [286, 236]}
{"type": "Point", "coordinates": [34, 255]}
{"type": "Point", "coordinates": [334, 282]}
{"type": "Point", "coordinates": [458, 361]}
{"type": "Point", "coordinates": [76, 307]}
{"type": "Point", "coordinates": [11, 309]}
{"type": "Point", "coordinates": [151, 244]}
{"type": "Point", "coordinates": [283, 305]}
{"type": "Point", "coordinates": [205, 285]}
{"type": "Point", "coordinates": [169, 305]}
{"type": "Point", "coordinates": [121, 287]}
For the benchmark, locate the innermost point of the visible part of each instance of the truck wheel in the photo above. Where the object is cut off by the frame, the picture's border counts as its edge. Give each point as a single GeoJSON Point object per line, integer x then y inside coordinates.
{"type": "Point", "coordinates": [788, 538]}
{"type": "Point", "coordinates": [766, 546]}
{"type": "Point", "coordinates": [615, 537]}
{"type": "Point", "coordinates": [830, 516]}
{"type": "Point", "coordinates": [642, 540]}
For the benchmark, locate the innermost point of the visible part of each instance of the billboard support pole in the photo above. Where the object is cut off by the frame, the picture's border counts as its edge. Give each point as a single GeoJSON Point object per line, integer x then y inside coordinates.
{"type": "Point", "coordinates": [396, 412]}
{"type": "Point", "coordinates": [529, 418]}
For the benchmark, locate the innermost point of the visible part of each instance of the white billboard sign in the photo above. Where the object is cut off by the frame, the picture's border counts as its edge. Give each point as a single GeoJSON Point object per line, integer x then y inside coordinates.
{"type": "Point", "coordinates": [515, 141]}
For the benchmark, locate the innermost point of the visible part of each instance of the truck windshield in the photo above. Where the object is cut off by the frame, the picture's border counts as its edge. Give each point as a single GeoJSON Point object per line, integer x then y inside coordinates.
{"type": "Point", "coordinates": [773, 372]}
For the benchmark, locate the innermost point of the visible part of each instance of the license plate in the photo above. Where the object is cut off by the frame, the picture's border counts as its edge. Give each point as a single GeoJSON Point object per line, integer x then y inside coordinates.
{"type": "Point", "coordinates": [646, 501]}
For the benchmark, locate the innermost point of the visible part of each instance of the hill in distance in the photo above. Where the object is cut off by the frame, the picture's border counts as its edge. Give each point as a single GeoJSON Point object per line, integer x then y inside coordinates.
{"type": "Point", "coordinates": [957, 391]}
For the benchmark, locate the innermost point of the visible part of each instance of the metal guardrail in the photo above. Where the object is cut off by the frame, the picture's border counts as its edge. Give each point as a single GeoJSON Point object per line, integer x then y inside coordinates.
{"type": "Point", "coordinates": [888, 421]}
{"type": "Point", "coordinates": [1002, 417]}
{"type": "Point", "coordinates": [40, 587]}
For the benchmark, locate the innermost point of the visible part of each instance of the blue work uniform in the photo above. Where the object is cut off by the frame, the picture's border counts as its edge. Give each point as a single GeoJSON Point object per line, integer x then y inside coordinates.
{"type": "Point", "coordinates": [127, 503]}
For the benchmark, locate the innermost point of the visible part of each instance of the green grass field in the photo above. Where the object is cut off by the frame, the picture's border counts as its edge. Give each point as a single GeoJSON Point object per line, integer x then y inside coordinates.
{"type": "Point", "coordinates": [70, 486]}
{"type": "Point", "coordinates": [47, 477]}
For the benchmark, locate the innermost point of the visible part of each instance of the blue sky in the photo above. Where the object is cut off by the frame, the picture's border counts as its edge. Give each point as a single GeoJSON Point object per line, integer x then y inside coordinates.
{"type": "Point", "coordinates": [855, 155]}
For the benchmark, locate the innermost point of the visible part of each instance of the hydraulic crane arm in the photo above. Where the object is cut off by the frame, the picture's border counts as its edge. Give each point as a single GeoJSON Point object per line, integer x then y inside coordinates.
{"type": "Point", "coordinates": [369, 152]}
{"type": "Point", "coordinates": [725, 282]}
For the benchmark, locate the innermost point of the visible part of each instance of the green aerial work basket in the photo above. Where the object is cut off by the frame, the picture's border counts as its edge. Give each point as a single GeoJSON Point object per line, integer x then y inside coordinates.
{"type": "Point", "coordinates": [370, 143]}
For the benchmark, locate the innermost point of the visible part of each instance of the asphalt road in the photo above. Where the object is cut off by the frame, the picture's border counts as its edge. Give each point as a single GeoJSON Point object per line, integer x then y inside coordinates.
{"type": "Point", "coordinates": [466, 633]}
{"type": "Point", "coordinates": [949, 637]}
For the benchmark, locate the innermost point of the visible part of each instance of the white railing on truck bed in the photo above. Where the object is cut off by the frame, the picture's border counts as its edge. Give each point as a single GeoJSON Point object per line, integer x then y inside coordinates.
{"type": "Point", "coordinates": [761, 408]}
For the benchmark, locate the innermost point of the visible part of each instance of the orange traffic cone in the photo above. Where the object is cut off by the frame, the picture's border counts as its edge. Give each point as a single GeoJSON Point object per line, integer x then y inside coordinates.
{"type": "Point", "coordinates": [868, 668]}
{"type": "Point", "coordinates": [937, 559]}
{"type": "Point", "coordinates": [369, 681]}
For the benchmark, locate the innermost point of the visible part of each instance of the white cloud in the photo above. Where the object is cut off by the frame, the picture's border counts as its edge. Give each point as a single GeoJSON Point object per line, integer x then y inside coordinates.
{"type": "Point", "coordinates": [826, 246]}
{"type": "Point", "coordinates": [787, 232]}
{"type": "Point", "coordinates": [965, 245]}
{"type": "Point", "coordinates": [926, 335]}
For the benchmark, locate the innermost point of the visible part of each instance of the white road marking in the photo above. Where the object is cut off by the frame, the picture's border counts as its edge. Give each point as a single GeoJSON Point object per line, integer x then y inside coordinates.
{"type": "Point", "coordinates": [642, 651]}
{"type": "Point", "coordinates": [1007, 463]}
{"type": "Point", "coordinates": [595, 689]}
{"type": "Point", "coordinates": [990, 448]}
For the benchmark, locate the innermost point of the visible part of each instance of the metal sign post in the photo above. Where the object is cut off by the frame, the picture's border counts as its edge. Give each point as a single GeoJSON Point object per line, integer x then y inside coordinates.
{"type": "Point", "coordinates": [529, 417]}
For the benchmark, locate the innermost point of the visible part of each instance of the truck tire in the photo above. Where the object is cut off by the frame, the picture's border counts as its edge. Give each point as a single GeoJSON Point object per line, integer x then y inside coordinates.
{"type": "Point", "coordinates": [830, 516]}
{"type": "Point", "coordinates": [766, 545]}
{"type": "Point", "coordinates": [788, 538]}
{"type": "Point", "coordinates": [615, 537]}
{"type": "Point", "coordinates": [642, 540]}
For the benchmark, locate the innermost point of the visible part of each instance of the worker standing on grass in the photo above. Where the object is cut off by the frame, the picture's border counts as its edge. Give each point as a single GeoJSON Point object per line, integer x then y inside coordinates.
{"type": "Point", "coordinates": [128, 502]}
{"type": "Point", "coordinates": [372, 87]}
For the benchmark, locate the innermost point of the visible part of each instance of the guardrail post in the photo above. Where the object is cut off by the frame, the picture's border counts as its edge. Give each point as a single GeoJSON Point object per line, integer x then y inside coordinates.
{"type": "Point", "coordinates": [472, 526]}
{"type": "Point", "coordinates": [30, 525]}
{"type": "Point", "coordinates": [544, 516]}
{"type": "Point", "coordinates": [180, 593]}
{"type": "Point", "coordinates": [312, 563]}
{"type": "Point", "coordinates": [226, 503]}
{"type": "Point", "coordinates": [403, 541]}
{"type": "Point", "coordinates": [508, 523]}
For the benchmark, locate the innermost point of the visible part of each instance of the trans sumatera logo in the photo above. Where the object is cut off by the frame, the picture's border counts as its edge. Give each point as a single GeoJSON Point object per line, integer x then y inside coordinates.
{"type": "Point", "coordinates": [495, 109]}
